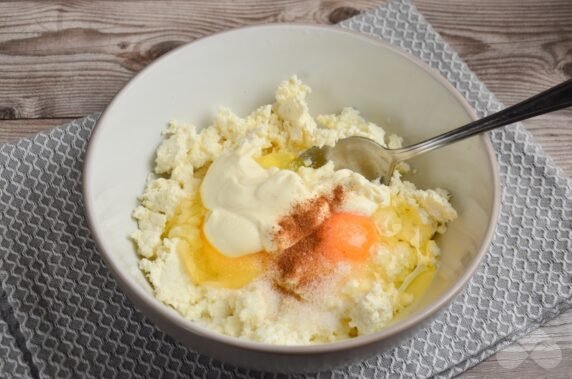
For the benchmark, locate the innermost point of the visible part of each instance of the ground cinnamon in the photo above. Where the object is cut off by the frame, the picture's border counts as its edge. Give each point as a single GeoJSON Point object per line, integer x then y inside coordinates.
{"type": "Point", "coordinates": [301, 221]}
{"type": "Point", "coordinates": [300, 263]}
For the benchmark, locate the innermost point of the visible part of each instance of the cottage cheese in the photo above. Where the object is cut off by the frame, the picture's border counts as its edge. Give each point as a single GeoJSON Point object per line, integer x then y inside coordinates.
{"type": "Point", "coordinates": [206, 223]}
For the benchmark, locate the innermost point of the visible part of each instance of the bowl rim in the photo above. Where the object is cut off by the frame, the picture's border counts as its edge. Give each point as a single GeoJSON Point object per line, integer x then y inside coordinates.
{"type": "Point", "coordinates": [136, 293]}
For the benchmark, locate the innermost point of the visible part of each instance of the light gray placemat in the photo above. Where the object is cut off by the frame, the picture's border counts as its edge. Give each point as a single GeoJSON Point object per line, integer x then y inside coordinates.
{"type": "Point", "coordinates": [62, 315]}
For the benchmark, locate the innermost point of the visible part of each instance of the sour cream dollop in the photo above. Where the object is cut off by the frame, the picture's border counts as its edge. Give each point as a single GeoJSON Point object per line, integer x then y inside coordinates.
{"type": "Point", "coordinates": [246, 202]}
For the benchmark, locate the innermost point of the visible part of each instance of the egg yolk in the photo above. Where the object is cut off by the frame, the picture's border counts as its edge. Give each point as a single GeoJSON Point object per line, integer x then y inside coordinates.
{"type": "Point", "coordinates": [281, 159]}
{"type": "Point", "coordinates": [202, 261]}
{"type": "Point", "coordinates": [207, 265]}
{"type": "Point", "coordinates": [347, 237]}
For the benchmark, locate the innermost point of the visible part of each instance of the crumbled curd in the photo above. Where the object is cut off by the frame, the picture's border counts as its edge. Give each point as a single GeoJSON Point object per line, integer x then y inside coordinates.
{"type": "Point", "coordinates": [208, 224]}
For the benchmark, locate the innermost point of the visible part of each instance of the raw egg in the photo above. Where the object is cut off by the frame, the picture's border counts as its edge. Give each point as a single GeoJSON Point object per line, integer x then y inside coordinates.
{"type": "Point", "coordinates": [202, 261]}
{"type": "Point", "coordinates": [281, 159]}
{"type": "Point", "coordinates": [347, 237]}
{"type": "Point", "coordinates": [207, 265]}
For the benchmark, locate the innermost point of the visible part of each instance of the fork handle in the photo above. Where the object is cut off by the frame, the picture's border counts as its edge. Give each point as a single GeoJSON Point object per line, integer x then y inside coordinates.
{"type": "Point", "coordinates": [552, 99]}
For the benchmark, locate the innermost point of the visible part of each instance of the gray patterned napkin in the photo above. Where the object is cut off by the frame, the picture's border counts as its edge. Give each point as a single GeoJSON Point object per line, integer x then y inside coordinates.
{"type": "Point", "coordinates": [62, 315]}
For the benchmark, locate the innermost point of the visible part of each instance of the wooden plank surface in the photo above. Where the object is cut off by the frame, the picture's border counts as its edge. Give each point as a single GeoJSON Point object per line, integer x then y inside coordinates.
{"type": "Point", "coordinates": [64, 59]}
{"type": "Point", "coordinates": [68, 58]}
{"type": "Point", "coordinates": [517, 48]}
{"type": "Point", "coordinates": [544, 353]}
{"type": "Point", "coordinates": [11, 130]}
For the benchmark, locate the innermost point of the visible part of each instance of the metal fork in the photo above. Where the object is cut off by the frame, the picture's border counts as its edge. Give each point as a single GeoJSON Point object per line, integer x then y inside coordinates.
{"type": "Point", "coordinates": [374, 161]}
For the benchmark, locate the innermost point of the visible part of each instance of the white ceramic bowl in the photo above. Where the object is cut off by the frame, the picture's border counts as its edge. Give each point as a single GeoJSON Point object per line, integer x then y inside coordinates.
{"type": "Point", "coordinates": [241, 69]}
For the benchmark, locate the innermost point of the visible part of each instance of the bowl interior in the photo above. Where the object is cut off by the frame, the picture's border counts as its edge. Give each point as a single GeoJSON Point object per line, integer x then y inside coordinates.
{"type": "Point", "coordinates": [241, 70]}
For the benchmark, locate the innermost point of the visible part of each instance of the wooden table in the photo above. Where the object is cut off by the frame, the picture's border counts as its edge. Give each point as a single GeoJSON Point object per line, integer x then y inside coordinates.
{"type": "Point", "coordinates": [60, 60]}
